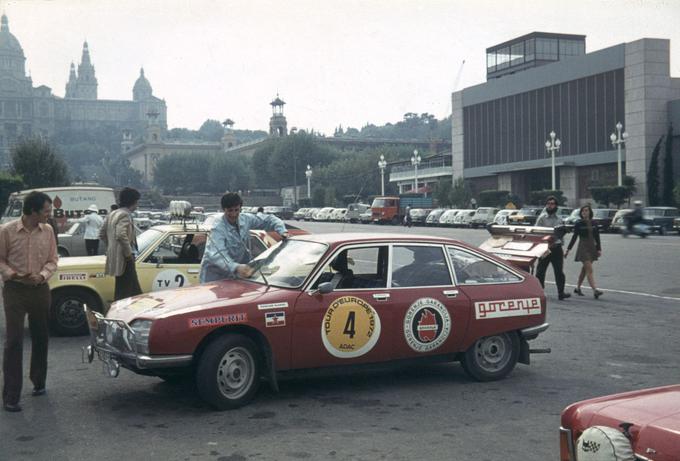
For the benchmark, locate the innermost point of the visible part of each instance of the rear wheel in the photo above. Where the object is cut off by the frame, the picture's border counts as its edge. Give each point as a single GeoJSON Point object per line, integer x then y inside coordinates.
{"type": "Point", "coordinates": [67, 317]}
{"type": "Point", "coordinates": [492, 357]}
{"type": "Point", "coordinates": [228, 372]}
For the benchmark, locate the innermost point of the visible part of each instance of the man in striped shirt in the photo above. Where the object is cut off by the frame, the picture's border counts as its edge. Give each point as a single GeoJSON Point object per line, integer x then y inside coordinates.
{"type": "Point", "coordinates": [28, 258]}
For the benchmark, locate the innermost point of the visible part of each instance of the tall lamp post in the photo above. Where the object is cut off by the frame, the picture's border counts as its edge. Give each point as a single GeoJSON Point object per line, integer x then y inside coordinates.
{"type": "Point", "coordinates": [553, 145]}
{"type": "Point", "coordinates": [308, 173]}
{"type": "Point", "coordinates": [415, 161]}
{"type": "Point", "coordinates": [382, 163]}
{"type": "Point", "coordinates": [617, 139]}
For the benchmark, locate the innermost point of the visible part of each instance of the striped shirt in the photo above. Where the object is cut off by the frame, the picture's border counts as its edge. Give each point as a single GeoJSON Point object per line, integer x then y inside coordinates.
{"type": "Point", "coordinates": [25, 252]}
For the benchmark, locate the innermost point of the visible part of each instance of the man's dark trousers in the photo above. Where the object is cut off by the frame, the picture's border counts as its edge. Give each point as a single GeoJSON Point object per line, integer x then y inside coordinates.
{"type": "Point", "coordinates": [127, 284]}
{"type": "Point", "coordinates": [556, 258]}
{"type": "Point", "coordinates": [20, 300]}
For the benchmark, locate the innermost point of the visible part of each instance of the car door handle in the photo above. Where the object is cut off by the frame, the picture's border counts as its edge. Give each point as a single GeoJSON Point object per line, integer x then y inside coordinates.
{"type": "Point", "coordinates": [193, 271]}
{"type": "Point", "coordinates": [381, 296]}
{"type": "Point", "coordinates": [450, 293]}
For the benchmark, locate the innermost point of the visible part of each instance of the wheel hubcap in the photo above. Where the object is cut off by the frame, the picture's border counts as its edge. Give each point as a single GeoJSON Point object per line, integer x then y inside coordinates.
{"type": "Point", "coordinates": [70, 313]}
{"type": "Point", "coordinates": [493, 353]}
{"type": "Point", "coordinates": [235, 373]}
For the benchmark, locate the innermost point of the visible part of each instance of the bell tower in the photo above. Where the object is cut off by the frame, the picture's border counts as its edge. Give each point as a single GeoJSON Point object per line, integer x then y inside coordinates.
{"type": "Point", "coordinates": [278, 126]}
{"type": "Point", "coordinates": [153, 128]}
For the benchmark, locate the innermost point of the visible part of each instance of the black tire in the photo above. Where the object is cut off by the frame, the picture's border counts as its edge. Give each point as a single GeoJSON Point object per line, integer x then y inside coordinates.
{"type": "Point", "coordinates": [228, 372]}
{"type": "Point", "coordinates": [67, 317]}
{"type": "Point", "coordinates": [62, 252]}
{"type": "Point", "coordinates": [492, 357]}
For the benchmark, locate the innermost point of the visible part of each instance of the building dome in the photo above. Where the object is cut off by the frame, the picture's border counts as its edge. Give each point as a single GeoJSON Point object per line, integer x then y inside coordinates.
{"type": "Point", "coordinates": [142, 89]}
{"type": "Point", "coordinates": [9, 45]}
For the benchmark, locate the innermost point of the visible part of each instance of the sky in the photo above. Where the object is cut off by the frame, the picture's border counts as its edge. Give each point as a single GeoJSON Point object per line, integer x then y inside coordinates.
{"type": "Point", "coordinates": [334, 62]}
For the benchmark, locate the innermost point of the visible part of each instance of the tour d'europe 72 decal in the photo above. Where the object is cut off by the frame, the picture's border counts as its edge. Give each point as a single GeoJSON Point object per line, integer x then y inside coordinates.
{"type": "Point", "coordinates": [350, 327]}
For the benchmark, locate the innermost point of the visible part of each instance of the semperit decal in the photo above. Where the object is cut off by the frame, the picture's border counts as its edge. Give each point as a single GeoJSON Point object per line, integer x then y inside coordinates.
{"type": "Point", "coordinates": [214, 320]}
{"type": "Point", "coordinates": [427, 324]}
{"type": "Point", "coordinates": [73, 277]}
{"type": "Point", "coordinates": [350, 327]}
{"type": "Point", "coordinates": [507, 308]}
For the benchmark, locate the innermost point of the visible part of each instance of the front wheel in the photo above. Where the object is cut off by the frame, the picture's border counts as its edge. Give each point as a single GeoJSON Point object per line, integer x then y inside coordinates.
{"type": "Point", "coordinates": [492, 357]}
{"type": "Point", "coordinates": [67, 317]}
{"type": "Point", "coordinates": [228, 373]}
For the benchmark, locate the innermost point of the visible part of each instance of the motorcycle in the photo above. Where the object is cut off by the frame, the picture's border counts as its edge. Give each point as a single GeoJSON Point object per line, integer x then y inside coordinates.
{"type": "Point", "coordinates": [642, 230]}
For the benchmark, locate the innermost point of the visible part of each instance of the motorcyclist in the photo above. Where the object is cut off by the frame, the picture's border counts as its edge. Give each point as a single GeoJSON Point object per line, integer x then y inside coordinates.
{"type": "Point", "coordinates": [634, 217]}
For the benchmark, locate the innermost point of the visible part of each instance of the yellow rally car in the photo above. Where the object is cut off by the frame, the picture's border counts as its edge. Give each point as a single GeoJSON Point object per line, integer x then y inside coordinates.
{"type": "Point", "coordinates": [169, 257]}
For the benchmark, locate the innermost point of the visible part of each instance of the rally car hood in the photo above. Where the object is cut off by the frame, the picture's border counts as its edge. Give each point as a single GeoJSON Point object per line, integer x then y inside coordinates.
{"type": "Point", "coordinates": [161, 304]}
{"type": "Point", "coordinates": [81, 262]}
{"type": "Point", "coordinates": [653, 413]}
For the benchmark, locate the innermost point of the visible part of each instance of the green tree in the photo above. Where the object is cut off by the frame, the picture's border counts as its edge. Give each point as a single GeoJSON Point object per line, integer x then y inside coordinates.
{"type": "Point", "coordinates": [539, 196]}
{"type": "Point", "coordinates": [668, 181]}
{"type": "Point", "coordinates": [182, 173]}
{"type": "Point", "coordinates": [8, 184]}
{"type": "Point", "coordinates": [36, 161]}
{"type": "Point", "coordinates": [229, 173]}
{"type": "Point", "coordinates": [117, 172]}
{"type": "Point", "coordinates": [442, 192]}
{"type": "Point", "coordinates": [653, 176]}
{"type": "Point", "coordinates": [211, 130]}
{"type": "Point", "coordinates": [494, 198]}
{"type": "Point", "coordinates": [460, 194]}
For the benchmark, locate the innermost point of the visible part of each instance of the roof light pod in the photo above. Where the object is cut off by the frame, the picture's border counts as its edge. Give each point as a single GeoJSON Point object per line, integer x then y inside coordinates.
{"type": "Point", "coordinates": [180, 209]}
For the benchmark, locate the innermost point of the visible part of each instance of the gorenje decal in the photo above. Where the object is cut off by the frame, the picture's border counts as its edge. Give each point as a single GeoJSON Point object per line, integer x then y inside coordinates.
{"type": "Point", "coordinates": [427, 324]}
{"type": "Point", "coordinates": [507, 308]}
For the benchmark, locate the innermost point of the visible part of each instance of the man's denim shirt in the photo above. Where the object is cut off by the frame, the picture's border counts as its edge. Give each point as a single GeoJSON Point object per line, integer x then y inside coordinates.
{"type": "Point", "coordinates": [228, 247]}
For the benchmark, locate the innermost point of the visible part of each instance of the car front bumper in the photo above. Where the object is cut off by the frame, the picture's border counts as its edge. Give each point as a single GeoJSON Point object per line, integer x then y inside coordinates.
{"type": "Point", "coordinates": [114, 343]}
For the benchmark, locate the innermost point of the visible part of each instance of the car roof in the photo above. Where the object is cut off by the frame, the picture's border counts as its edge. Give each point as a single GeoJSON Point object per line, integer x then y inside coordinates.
{"type": "Point", "coordinates": [356, 237]}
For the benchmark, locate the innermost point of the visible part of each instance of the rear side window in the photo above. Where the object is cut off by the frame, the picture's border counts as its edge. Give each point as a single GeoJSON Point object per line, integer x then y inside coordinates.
{"type": "Point", "coordinates": [471, 269]}
{"type": "Point", "coordinates": [419, 266]}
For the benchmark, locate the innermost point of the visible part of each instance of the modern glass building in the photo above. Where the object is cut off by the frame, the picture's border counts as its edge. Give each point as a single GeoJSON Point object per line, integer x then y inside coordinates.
{"type": "Point", "coordinates": [543, 82]}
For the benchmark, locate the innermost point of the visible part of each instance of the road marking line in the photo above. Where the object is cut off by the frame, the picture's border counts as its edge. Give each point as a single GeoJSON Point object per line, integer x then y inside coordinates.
{"type": "Point", "coordinates": [636, 293]}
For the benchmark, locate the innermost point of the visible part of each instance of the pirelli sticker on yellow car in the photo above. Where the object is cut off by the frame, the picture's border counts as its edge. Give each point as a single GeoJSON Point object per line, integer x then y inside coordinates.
{"type": "Point", "coordinates": [350, 327]}
{"type": "Point", "coordinates": [73, 277]}
{"type": "Point", "coordinates": [507, 308]}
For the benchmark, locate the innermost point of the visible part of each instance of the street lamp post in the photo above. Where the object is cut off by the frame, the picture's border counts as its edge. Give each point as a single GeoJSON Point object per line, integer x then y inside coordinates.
{"type": "Point", "coordinates": [308, 173]}
{"type": "Point", "coordinates": [617, 139]}
{"type": "Point", "coordinates": [415, 161]}
{"type": "Point", "coordinates": [553, 145]}
{"type": "Point", "coordinates": [382, 163]}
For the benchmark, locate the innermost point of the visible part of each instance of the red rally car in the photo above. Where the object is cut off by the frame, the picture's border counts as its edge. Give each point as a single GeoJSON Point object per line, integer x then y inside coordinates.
{"type": "Point", "coordinates": [633, 426]}
{"type": "Point", "coordinates": [329, 300]}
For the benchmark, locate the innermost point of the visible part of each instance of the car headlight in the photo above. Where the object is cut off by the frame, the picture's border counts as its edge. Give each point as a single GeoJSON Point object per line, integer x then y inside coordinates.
{"type": "Point", "coordinates": [142, 329]}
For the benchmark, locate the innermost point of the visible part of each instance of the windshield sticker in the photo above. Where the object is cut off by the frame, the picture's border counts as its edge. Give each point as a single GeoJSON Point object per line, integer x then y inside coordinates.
{"type": "Point", "coordinates": [169, 278]}
{"type": "Point", "coordinates": [427, 324]}
{"type": "Point", "coordinates": [275, 319]}
{"type": "Point", "coordinates": [215, 320]}
{"type": "Point", "coordinates": [507, 308]}
{"type": "Point", "coordinates": [272, 306]}
{"type": "Point", "coordinates": [350, 327]}
{"type": "Point", "coordinates": [77, 277]}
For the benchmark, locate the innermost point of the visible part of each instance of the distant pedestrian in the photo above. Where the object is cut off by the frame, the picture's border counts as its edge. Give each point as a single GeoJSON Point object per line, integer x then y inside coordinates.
{"type": "Point", "coordinates": [121, 245]}
{"type": "Point", "coordinates": [556, 256]}
{"type": "Point", "coordinates": [28, 258]}
{"type": "Point", "coordinates": [93, 224]}
{"type": "Point", "coordinates": [408, 221]}
{"type": "Point", "coordinates": [589, 248]}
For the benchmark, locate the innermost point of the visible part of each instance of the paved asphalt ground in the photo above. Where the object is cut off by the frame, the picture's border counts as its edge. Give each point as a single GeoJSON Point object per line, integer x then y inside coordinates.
{"type": "Point", "coordinates": [624, 341]}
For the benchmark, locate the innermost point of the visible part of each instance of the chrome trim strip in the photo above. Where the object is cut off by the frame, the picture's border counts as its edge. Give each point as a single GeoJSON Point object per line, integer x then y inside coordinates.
{"type": "Point", "coordinates": [164, 361]}
{"type": "Point", "coordinates": [570, 443]}
{"type": "Point", "coordinates": [534, 331]}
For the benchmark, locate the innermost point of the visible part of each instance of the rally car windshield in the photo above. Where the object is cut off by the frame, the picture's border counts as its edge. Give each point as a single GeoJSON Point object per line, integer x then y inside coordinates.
{"type": "Point", "coordinates": [146, 238]}
{"type": "Point", "coordinates": [287, 264]}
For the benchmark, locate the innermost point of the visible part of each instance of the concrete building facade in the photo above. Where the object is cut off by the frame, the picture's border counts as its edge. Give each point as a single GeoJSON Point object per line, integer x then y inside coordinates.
{"type": "Point", "coordinates": [499, 128]}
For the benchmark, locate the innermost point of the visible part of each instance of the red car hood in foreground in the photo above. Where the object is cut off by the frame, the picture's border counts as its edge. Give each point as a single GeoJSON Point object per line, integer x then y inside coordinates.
{"type": "Point", "coordinates": [653, 413]}
{"type": "Point", "coordinates": [159, 304]}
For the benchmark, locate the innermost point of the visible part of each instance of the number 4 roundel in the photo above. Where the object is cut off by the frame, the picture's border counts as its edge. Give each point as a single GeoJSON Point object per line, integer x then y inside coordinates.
{"type": "Point", "coordinates": [350, 327]}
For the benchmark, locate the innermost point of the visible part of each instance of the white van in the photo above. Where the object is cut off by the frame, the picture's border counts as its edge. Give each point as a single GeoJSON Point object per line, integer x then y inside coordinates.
{"type": "Point", "coordinates": [67, 202]}
{"type": "Point", "coordinates": [354, 210]}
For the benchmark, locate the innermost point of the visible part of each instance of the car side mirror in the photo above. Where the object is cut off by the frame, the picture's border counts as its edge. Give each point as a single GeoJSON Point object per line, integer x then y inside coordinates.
{"type": "Point", "coordinates": [325, 287]}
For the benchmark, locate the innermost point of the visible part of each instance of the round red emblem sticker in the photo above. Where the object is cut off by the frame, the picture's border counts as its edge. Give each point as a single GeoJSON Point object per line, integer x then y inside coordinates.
{"type": "Point", "coordinates": [427, 324]}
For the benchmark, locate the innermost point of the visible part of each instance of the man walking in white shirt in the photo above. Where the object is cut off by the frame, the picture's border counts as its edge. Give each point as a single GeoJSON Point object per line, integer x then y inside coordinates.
{"type": "Point", "coordinates": [93, 223]}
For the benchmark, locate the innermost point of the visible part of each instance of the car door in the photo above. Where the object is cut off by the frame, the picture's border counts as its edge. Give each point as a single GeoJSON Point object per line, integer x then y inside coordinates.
{"type": "Point", "coordinates": [351, 324]}
{"type": "Point", "coordinates": [430, 314]}
{"type": "Point", "coordinates": [174, 262]}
